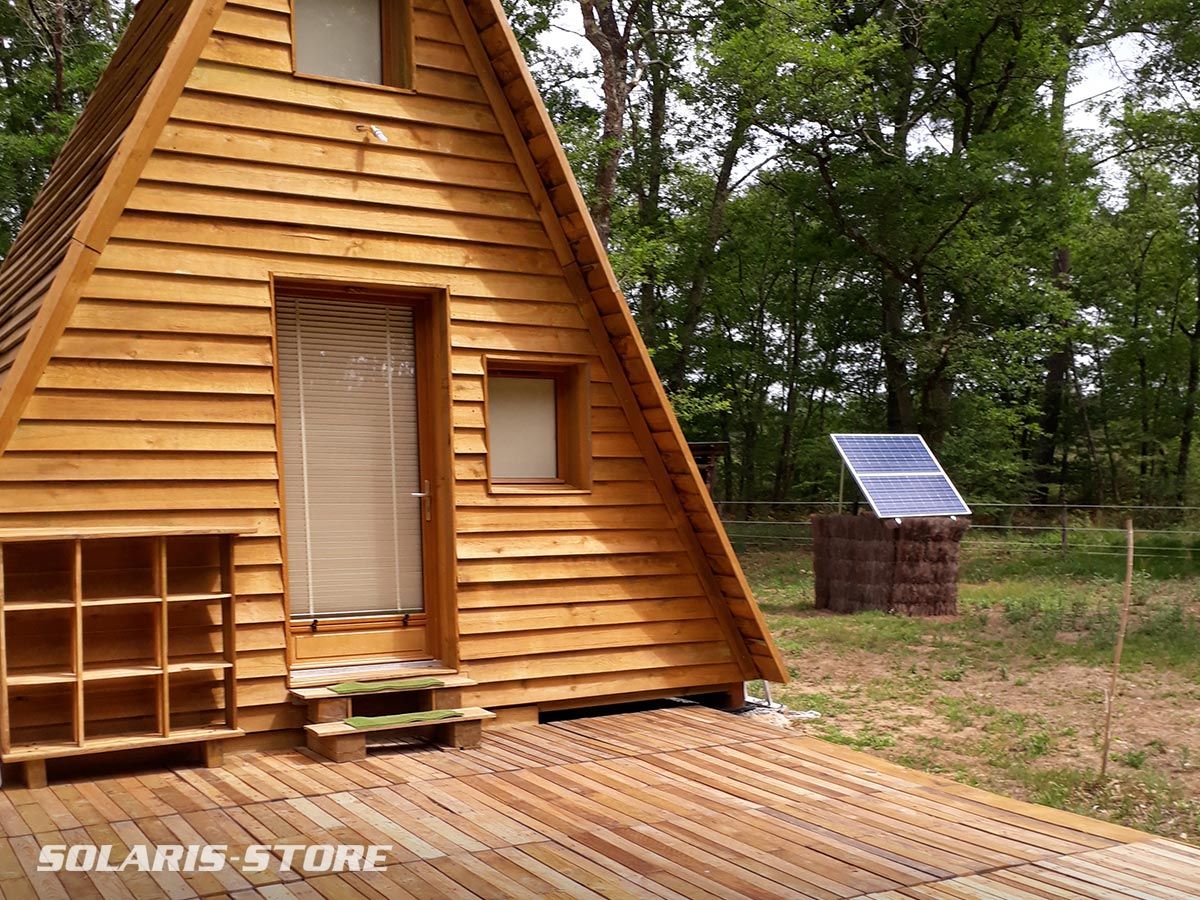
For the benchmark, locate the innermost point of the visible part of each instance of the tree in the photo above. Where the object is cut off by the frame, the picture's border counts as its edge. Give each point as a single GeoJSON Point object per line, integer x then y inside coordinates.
{"type": "Point", "coordinates": [1164, 115]}
{"type": "Point", "coordinates": [925, 128]}
{"type": "Point", "coordinates": [51, 54]}
{"type": "Point", "coordinates": [1093, 25]}
{"type": "Point", "coordinates": [1136, 272]}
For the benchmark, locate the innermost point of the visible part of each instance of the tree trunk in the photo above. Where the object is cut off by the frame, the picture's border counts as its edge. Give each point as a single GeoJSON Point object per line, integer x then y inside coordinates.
{"type": "Point", "coordinates": [1058, 365]}
{"type": "Point", "coordinates": [728, 480]}
{"type": "Point", "coordinates": [1144, 477]}
{"type": "Point", "coordinates": [694, 299]}
{"type": "Point", "coordinates": [57, 39]}
{"type": "Point", "coordinates": [651, 171]}
{"type": "Point", "coordinates": [785, 465]}
{"type": "Point", "coordinates": [603, 32]}
{"type": "Point", "coordinates": [1143, 378]}
{"type": "Point", "coordinates": [1089, 435]}
{"type": "Point", "coordinates": [1187, 424]}
{"type": "Point", "coordinates": [937, 388]}
{"type": "Point", "coordinates": [936, 406]}
{"type": "Point", "coordinates": [1106, 417]}
{"type": "Point", "coordinates": [901, 416]}
{"type": "Point", "coordinates": [1060, 361]}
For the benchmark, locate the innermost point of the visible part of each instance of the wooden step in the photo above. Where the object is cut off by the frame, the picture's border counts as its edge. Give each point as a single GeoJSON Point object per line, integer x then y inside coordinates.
{"type": "Point", "coordinates": [324, 693]}
{"type": "Point", "coordinates": [345, 743]}
{"type": "Point", "coordinates": [329, 729]}
{"type": "Point", "coordinates": [326, 675]}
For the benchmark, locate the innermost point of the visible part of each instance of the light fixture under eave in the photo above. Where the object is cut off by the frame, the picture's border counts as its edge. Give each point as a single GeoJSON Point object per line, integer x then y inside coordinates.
{"type": "Point", "coordinates": [375, 132]}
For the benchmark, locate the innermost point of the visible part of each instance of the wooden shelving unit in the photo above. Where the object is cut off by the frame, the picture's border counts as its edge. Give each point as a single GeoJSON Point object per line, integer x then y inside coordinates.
{"type": "Point", "coordinates": [102, 630]}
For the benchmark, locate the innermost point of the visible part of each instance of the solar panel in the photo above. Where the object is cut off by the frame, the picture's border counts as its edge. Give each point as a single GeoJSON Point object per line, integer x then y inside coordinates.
{"type": "Point", "coordinates": [899, 475]}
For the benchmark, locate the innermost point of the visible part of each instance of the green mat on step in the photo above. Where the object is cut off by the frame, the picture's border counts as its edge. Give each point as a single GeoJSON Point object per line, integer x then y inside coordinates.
{"type": "Point", "coordinates": [404, 684]}
{"type": "Point", "coordinates": [432, 715]}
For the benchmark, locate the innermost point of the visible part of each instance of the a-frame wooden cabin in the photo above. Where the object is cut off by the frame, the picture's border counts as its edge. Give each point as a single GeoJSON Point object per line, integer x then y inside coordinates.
{"type": "Point", "coordinates": [314, 369]}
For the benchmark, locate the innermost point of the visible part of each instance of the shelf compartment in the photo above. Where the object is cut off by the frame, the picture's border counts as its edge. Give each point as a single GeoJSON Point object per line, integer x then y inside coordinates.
{"type": "Point", "coordinates": [116, 635]}
{"type": "Point", "coordinates": [195, 565]}
{"type": "Point", "coordinates": [38, 644]}
{"type": "Point", "coordinates": [121, 703]}
{"type": "Point", "coordinates": [38, 571]}
{"type": "Point", "coordinates": [198, 699]}
{"type": "Point", "coordinates": [196, 630]}
{"type": "Point", "coordinates": [41, 713]}
{"type": "Point", "coordinates": [119, 568]}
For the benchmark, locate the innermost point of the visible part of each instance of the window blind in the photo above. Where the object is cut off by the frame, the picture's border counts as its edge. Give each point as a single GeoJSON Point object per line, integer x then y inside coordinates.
{"type": "Point", "coordinates": [348, 399]}
{"type": "Point", "coordinates": [523, 426]}
{"type": "Point", "coordinates": [340, 39]}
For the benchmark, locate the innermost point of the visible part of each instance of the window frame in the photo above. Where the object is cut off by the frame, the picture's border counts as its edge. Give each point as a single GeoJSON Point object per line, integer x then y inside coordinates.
{"type": "Point", "coordinates": [573, 431]}
{"type": "Point", "coordinates": [397, 49]}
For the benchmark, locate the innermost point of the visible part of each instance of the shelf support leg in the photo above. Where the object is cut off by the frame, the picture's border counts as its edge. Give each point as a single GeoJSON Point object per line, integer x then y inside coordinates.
{"type": "Point", "coordinates": [229, 629]}
{"type": "Point", "coordinates": [5, 736]}
{"type": "Point", "coordinates": [76, 645]}
{"type": "Point", "coordinates": [33, 773]}
{"type": "Point", "coordinates": [161, 624]}
{"type": "Point", "coordinates": [212, 754]}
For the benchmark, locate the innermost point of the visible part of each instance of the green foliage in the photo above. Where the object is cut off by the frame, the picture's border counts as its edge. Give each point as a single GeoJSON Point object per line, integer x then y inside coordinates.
{"type": "Point", "coordinates": [865, 739]}
{"type": "Point", "coordinates": [690, 406]}
{"type": "Point", "coordinates": [1135, 759]}
{"type": "Point", "coordinates": [36, 114]}
{"type": "Point", "coordinates": [885, 256]}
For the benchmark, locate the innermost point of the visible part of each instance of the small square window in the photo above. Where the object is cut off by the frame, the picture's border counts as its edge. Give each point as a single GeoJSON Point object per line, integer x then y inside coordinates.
{"type": "Point", "coordinates": [523, 441]}
{"type": "Point", "coordinates": [368, 41]}
{"type": "Point", "coordinates": [538, 434]}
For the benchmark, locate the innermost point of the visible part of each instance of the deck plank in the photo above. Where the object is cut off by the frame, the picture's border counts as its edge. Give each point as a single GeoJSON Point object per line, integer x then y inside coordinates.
{"type": "Point", "coordinates": [683, 802]}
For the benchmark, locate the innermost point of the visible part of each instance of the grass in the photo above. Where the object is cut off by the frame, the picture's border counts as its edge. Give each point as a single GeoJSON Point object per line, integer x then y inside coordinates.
{"type": "Point", "coordinates": [1090, 554]}
{"type": "Point", "coordinates": [1009, 694]}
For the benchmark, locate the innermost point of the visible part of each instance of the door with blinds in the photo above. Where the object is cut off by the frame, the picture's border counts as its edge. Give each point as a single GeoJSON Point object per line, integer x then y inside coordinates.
{"type": "Point", "coordinates": [352, 478]}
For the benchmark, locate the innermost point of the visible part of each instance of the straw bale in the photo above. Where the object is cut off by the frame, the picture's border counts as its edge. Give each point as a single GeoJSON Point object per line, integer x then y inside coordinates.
{"type": "Point", "coordinates": [864, 563]}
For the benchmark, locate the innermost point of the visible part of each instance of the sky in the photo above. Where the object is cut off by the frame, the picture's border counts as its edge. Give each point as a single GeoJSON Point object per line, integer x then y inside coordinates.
{"type": "Point", "coordinates": [1101, 77]}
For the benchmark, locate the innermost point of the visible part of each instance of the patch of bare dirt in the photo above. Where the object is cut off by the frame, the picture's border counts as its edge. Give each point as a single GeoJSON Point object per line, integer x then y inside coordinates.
{"type": "Point", "coordinates": [1049, 719]}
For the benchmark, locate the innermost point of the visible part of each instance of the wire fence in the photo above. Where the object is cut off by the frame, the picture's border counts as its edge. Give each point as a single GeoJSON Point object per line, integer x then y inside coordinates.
{"type": "Point", "coordinates": [1168, 533]}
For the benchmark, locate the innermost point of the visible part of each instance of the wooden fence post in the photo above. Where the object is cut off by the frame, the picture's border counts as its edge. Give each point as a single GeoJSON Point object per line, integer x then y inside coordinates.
{"type": "Point", "coordinates": [1110, 695]}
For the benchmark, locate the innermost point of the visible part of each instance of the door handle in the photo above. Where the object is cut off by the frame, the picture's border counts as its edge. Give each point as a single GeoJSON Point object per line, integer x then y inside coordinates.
{"type": "Point", "coordinates": [426, 500]}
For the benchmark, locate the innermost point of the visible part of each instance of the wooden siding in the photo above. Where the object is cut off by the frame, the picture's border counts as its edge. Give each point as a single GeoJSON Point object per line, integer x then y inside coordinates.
{"type": "Point", "coordinates": [50, 230]}
{"type": "Point", "coordinates": [157, 405]}
{"type": "Point", "coordinates": [590, 271]}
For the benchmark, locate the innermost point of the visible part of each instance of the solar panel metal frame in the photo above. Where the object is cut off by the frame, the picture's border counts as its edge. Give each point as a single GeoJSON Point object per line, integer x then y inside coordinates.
{"type": "Point", "coordinates": [848, 463]}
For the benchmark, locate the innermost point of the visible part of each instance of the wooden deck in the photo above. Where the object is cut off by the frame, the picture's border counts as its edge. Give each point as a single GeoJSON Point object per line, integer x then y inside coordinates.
{"type": "Point", "coordinates": [684, 802]}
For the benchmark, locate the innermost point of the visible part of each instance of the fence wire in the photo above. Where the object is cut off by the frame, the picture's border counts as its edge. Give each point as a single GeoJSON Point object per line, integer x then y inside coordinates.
{"type": "Point", "coordinates": [1027, 527]}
